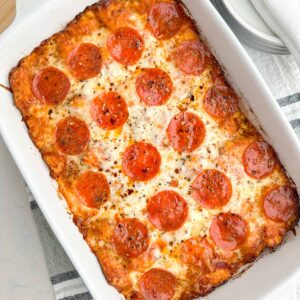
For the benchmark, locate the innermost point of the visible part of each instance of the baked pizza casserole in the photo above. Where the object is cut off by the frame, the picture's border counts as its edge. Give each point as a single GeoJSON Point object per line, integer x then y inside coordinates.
{"type": "Point", "coordinates": [171, 186]}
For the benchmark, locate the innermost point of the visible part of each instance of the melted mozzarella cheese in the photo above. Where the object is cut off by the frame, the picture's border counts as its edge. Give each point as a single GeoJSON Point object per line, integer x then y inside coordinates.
{"type": "Point", "coordinates": [150, 124]}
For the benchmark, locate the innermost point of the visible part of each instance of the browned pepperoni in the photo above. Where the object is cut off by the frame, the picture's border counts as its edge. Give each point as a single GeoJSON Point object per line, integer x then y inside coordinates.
{"type": "Point", "coordinates": [85, 61]}
{"type": "Point", "coordinates": [109, 111]}
{"type": "Point", "coordinates": [220, 102]}
{"type": "Point", "coordinates": [186, 132]}
{"type": "Point", "coordinates": [125, 45]}
{"type": "Point", "coordinates": [259, 160]}
{"type": "Point", "coordinates": [154, 86]}
{"type": "Point", "coordinates": [229, 231]}
{"type": "Point", "coordinates": [190, 57]}
{"type": "Point", "coordinates": [165, 19]}
{"type": "Point", "coordinates": [157, 284]}
{"type": "Point", "coordinates": [167, 210]}
{"type": "Point", "coordinates": [281, 204]}
{"type": "Point", "coordinates": [50, 86]}
{"type": "Point", "coordinates": [141, 161]}
{"type": "Point", "coordinates": [130, 238]}
{"type": "Point", "coordinates": [72, 136]}
{"type": "Point", "coordinates": [212, 189]}
{"type": "Point", "coordinates": [196, 251]}
{"type": "Point", "coordinates": [93, 189]}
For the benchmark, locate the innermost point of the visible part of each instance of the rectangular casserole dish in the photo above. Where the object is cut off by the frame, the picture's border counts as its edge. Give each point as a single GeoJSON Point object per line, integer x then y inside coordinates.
{"type": "Point", "coordinates": [267, 273]}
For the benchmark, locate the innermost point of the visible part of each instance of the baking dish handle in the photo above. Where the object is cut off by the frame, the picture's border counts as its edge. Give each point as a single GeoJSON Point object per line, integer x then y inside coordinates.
{"type": "Point", "coordinates": [24, 7]}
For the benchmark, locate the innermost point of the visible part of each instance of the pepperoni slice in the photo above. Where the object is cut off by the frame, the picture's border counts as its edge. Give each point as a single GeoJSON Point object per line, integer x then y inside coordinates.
{"type": "Point", "coordinates": [195, 251]}
{"type": "Point", "coordinates": [220, 102]}
{"type": "Point", "coordinates": [229, 231]}
{"type": "Point", "coordinates": [165, 19]}
{"type": "Point", "coordinates": [186, 132]}
{"type": "Point", "coordinates": [154, 87]}
{"type": "Point", "coordinates": [109, 111]}
{"type": "Point", "coordinates": [125, 45]}
{"type": "Point", "coordinates": [72, 135]}
{"type": "Point", "coordinates": [141, 161]}
{"type": "Point", "coordinates": [281, 203]}
{"type": "Point", "coordinates": [50, 86]}
{"type": "Point", "coordinates": [212, 189]}
{"type": "Point", "coordinates": [85, 61]}
{"type": "Point", "coordinates": [157, 284]}
{"type": "Point", "coordinates": [130, 238]}
{"type": "Point", "coordinates": [167, 210]}
{"type": "Point", "coordinates": [92, 188]}
{"type": "Point", "coordinates": [190, 57]}
{"type": "Point", "coordinates": [259, 160]}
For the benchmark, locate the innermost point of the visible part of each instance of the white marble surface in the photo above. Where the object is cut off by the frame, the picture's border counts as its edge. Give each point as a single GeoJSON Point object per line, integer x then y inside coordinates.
{"type": "Point", "coordinates": [23, 273]}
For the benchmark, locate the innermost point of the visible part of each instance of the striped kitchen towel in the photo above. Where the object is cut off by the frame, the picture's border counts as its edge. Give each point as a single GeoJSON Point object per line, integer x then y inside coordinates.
{"type": "Point", "coordinates": [281, 74]}
{"type": "Point", "coordinates": [67, 284]}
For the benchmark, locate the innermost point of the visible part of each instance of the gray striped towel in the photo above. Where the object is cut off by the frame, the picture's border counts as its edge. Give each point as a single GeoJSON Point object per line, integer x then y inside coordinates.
{"type": "Point", "coordinates": [281, 74]}
{"type": "Point", "coordinates": [67, 284]}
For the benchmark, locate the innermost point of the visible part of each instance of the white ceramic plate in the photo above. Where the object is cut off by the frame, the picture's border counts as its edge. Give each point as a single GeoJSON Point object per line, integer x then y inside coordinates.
{"type": "Point", "coordinates": [249, 27]}
{"type": "Point", "coordinates": [269, 272]}
{"type": "Point", "coordinates": [245, 14]}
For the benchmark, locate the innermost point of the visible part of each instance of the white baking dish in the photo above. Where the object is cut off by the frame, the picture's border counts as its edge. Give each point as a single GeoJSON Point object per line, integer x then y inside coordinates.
{"type": "Point", "coordinates": [270, 272]}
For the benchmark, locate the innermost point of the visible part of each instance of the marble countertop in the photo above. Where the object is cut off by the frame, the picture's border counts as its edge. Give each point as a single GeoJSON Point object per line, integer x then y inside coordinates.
{"type": "Point", "coordinates": [23, 272]}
